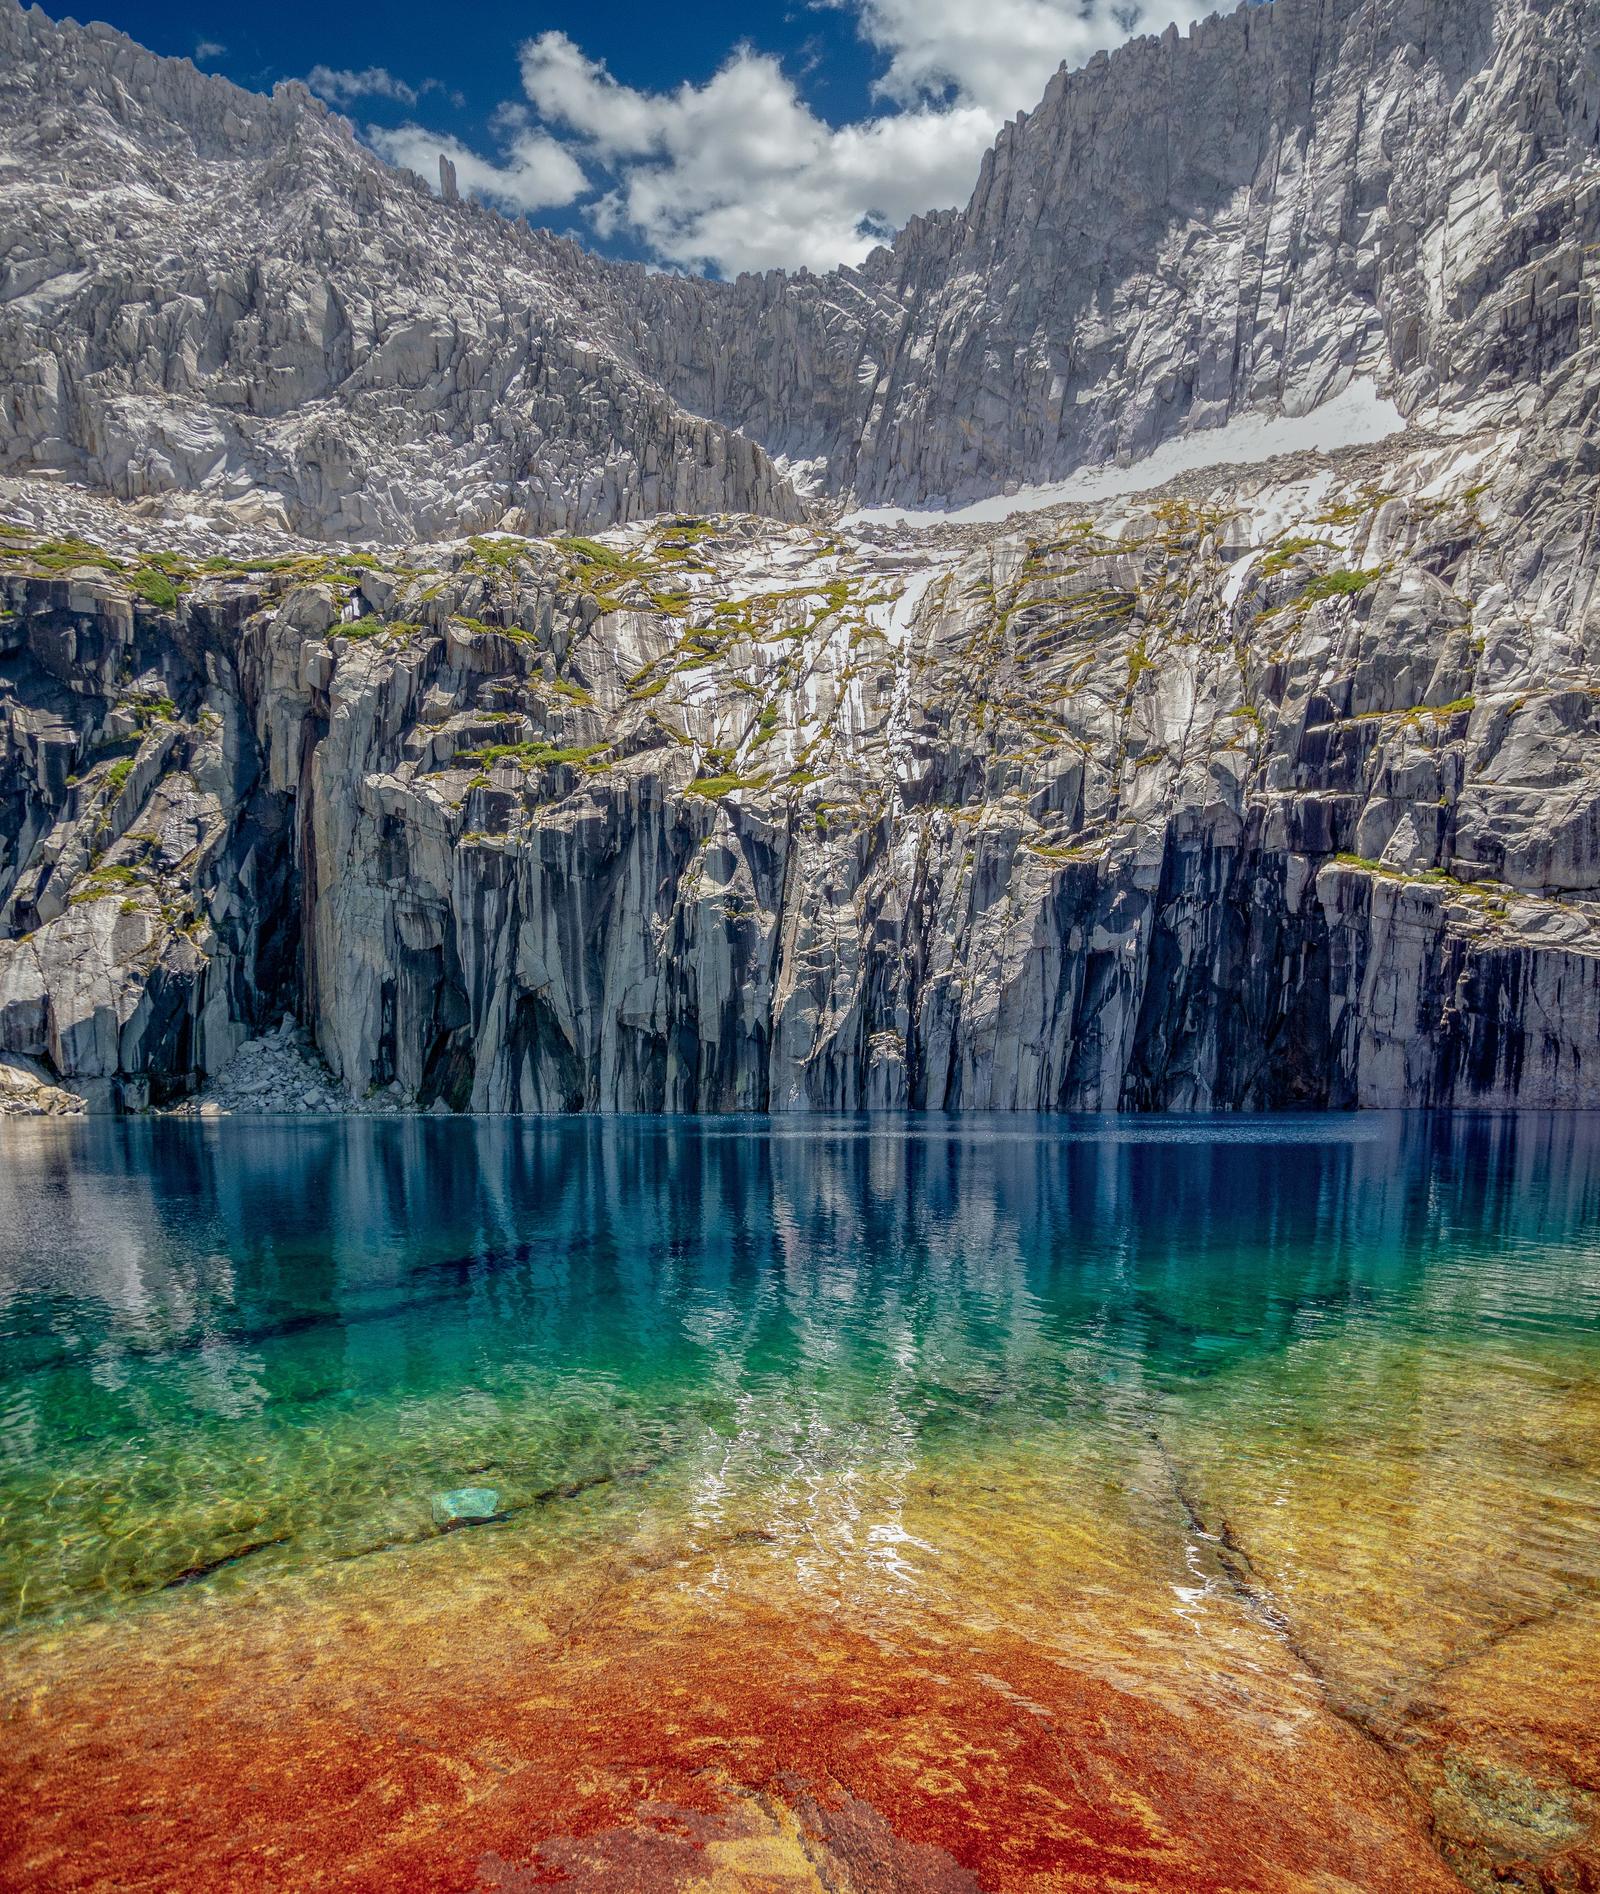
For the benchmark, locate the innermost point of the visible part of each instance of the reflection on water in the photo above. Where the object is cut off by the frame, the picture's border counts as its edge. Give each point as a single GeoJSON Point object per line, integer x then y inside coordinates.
{"type": "Point", "coordinates": [214, 1335]}
{"type": "Point", "coordinates": [1089, 1383]}
{"type": "Point", "coordinates": [140, 1236]}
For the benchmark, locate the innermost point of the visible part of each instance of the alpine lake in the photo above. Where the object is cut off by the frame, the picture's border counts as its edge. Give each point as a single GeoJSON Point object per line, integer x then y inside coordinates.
{"type": "Point", "coordinates": [801, 1504]}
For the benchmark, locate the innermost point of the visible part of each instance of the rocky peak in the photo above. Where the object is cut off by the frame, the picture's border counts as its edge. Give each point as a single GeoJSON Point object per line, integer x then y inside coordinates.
{"type": "Point", "coordinates": [1240, 219]}
{"type": "Point", "coordinates": [1249, 765]}
{"type": "Point", "coordinates": [207, 291]}
{"type": "Point", "coordinates": [1237, 220]}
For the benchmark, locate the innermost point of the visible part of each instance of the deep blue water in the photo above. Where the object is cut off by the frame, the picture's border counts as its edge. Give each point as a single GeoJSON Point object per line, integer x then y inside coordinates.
{"type": "Point", "coordinates": [219, 1334]}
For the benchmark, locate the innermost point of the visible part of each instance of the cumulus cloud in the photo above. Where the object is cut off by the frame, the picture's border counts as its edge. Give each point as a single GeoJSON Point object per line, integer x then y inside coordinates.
{"type": "Point", "coordinates": [340, 86]}
{"type": "Point", "coordinates": [537, 173]}
{"type": "Point", "coordinates": [740, 173]}
{"type": "Point", "coordinates": [999, 54]}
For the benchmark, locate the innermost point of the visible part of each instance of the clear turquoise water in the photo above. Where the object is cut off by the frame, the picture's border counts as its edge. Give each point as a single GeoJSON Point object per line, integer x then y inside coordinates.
{"type": "Point", "coordinates": [253, 1347]}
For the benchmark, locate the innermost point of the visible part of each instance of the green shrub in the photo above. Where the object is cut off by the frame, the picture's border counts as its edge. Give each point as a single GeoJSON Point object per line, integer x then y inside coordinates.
{"type": "Point", "coordinates": [110, 878]}
{"type": "Point", "coordinates": [535, 755]}
{"type": "Point", "coordinates": [155, 587]}
{"type": "Point", "coordinates": [1340, 584]}
{"type": "Point", "coordinates": [1287, 550]}
{"type": "Point", "coordinates": [60, 555]}
{"type": "Point", "coordinates": [714, 786]}
{"type": "Point", "coordinates": [495, 555]}
{"type": "Point", "coordinates": [592, 553]}
{"type": "Point", "coordinates": [565, 687]}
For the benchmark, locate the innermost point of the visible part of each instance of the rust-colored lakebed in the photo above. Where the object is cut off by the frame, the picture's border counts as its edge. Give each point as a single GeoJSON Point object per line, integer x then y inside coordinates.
{"type": "Point", "coordinates": [875, 1505]}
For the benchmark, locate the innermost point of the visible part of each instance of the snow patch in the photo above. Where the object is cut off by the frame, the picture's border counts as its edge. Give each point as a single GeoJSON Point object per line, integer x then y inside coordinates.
{"type": "Point", "coordinates": [904, 608]}
{"type": "Point", "coordinates": [1355, 417]}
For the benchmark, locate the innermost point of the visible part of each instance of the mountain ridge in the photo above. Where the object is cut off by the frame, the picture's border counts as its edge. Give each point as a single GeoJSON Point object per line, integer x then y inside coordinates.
{"type": "Point", "coordinates": [1192, 350]}
{"type": "Point", "coordinates": [1085, 305]}
{"type": "Point", "coordinates": [283, 366]}
{"type": "Point", "coordinates": [465, 683]}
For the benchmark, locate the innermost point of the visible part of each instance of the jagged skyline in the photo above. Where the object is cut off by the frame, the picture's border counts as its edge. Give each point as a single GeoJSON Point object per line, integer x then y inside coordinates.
{"type": "Point", "coordinates": [727, 142]}
{"type": "Point", "coordinates": [1141, 801]}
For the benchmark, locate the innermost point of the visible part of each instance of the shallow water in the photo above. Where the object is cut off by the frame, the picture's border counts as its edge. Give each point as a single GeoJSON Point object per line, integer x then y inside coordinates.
{"type": "Point", "coordinates": [838, 1466]}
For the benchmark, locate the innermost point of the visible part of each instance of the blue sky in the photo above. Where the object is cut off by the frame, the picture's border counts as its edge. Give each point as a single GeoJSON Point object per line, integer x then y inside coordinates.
{"type": "Point", "coordinates": [709, 136]}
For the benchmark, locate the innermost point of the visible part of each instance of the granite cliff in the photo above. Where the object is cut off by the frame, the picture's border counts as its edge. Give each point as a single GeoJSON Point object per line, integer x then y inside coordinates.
{"type": "Point", "coordinates": [414, 625]}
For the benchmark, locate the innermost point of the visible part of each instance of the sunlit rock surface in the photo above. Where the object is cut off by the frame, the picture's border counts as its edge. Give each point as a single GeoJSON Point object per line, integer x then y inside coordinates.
{"type": "Point", "coordinates": [1272, 785]}
{"type": "Point", "coordinates": [1273, 791]}
{"type": "Point", "coordinates": [207, 291]}
{"type": "Point", "coordinates": [1193, 229]}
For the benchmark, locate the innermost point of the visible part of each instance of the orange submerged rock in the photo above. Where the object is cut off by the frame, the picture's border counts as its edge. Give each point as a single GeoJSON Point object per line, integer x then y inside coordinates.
{"type": "Point", "coordinates": [640, 1733]}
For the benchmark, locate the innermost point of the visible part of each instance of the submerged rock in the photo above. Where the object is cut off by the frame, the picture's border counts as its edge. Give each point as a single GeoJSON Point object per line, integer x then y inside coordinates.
{"type": "Point", "coordinates": [465, 1506]}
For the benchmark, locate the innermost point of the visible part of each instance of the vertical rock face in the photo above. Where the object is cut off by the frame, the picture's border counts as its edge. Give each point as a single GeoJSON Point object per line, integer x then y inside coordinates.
{"type": "Point", "coordinates": [144, 870]}
{"type": "Point", "coordinates": [1278, 797]}
{"type": "Point", "coordinates": [1272, 787]}
{"type": "Point", "coordinates": [1186, 230]}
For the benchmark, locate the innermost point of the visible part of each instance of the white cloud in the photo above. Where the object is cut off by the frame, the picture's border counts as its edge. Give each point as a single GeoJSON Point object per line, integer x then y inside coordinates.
{"type": "Point", "coordinates": [739, 173]}
{"type": "Point", "coordinates": [205, 49]}
{"type": "Point", "coordinates": [340, 85]}
{"type": "Point", "coordinates": [538, 173]}
{"type": "Point", "coordinates": [568, 87]}
{"type": "Point", "coordinates": [999, 54]}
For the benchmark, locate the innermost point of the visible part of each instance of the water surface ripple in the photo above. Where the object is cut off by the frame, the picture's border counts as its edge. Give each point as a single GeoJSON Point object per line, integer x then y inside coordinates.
{"type": "Point", "coordinates": [1235, 1455]}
